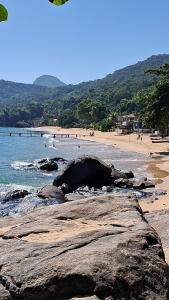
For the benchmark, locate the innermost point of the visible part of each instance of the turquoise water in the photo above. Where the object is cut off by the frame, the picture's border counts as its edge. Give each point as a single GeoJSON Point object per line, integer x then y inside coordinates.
{"type": "Point", "coordinates": [14, 151]}
{"type": "Point", "coordinates": [17, 152]}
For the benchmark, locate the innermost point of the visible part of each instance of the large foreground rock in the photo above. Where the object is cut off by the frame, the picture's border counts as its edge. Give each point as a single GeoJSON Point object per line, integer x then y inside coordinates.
{"type": "Point", "coordinates": [87, 171]}
{"type": "Point", "coordinates": [98, 248]}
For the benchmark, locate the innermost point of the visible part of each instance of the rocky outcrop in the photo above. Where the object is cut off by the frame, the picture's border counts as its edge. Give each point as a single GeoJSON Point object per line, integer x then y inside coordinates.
{"type": "Point", "coordinates": [54, 159]}
{"type": "Point", "coordinates": [142, 184]}
{"type": "Point", "coordinates": [15, 195]}
{"type": "Point", "coordinates": [52, 192]}
{"type": "Point", "coordinates": [49, 166]}
{"type": "Point", "coordinates": [87, 171]}
{"type": "Point", "coordinates": [93, 172]}
{"type": "Point", "coordinates": [98, 248]}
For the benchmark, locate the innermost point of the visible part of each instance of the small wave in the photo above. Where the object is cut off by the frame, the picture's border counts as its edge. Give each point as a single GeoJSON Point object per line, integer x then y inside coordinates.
{"type": "Point", "coordinates": [48, 174]}
{"type": "Point", "coordinates": [22, 165]}
{"type": "Point", "coordinates": [6, 188]}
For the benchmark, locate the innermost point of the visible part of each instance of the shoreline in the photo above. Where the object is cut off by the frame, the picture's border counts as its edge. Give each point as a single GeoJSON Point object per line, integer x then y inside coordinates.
{"type": "Point", "coordinates": [157, 166]}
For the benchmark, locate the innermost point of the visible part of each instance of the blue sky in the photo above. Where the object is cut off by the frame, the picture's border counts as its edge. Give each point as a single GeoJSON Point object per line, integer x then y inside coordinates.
{"type": "Point", "coordinates": [81, 40]}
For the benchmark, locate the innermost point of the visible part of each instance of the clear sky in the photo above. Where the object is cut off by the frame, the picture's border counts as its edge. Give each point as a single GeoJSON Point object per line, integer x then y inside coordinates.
{"type": "Point", "coordinates": [81, 40]}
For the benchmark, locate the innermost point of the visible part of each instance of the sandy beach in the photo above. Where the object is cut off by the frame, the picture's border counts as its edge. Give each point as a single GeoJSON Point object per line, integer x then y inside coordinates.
{"type": "Point", "coordinates": [157, 166]}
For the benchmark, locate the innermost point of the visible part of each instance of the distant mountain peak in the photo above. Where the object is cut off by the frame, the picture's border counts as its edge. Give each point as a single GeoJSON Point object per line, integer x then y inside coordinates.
{"type": "Point", "coordinates": [48, 81]}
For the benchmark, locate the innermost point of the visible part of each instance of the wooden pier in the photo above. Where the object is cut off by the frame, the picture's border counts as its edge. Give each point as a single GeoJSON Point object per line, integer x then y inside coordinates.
{"type": "Point", "coordinates": [32, 133]}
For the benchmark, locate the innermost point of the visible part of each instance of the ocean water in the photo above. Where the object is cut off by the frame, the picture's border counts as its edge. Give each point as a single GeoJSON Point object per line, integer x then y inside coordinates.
{"type": "Point", "coordinates": [16, 153]}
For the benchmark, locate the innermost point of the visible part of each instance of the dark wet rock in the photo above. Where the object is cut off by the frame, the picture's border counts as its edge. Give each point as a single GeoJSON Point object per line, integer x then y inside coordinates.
{"type": "Point", "coordinates": [17, 194]}
{"type": "Point", "coordinates": [66, 189]}
{"type": "Point", "coordinates": [60, 159]}
{"type": "Point", "coordinates": [55, 159]}
{"type": "Point", "coordinates": [94, 248]}
{"type": "Point", "coordinates": [149, 184]}
{"type": "Point", "coordinates": [87, 171]}
{"type": "Point", "coordinates": [42, 161]}
{"type": "Point", "coordinates": [129, 174]}
{"type": "Point", "coordinates": [30, 165]}
{"type": "Point", "coordinates": [49, 166]}
{"type": "Point", "coordinates": [51, 192]}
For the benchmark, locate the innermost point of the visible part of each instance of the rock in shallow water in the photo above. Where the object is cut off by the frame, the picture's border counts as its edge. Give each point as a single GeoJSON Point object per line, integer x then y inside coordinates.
{"type": "Point", "coordinates": [87, 171]}
{"type": "Point", "coordinates": [15, 195]}
{"type": "Point", "coordinates": [94, 248]}
{"type": "Point", "coordinates": [49, 166]}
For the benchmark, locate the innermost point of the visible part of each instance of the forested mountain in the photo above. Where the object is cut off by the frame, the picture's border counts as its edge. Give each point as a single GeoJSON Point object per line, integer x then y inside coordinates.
{"type": "Point", "coordinates": [84, 104]}
{"type": "Point", "coordinates": [121, 84]}
{"type": "Point", "coordinates": [10, 90]}
{"type": "Point", "coordinates": [48, 81]}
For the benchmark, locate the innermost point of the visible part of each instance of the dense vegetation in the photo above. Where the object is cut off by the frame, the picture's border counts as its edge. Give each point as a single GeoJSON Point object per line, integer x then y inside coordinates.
{"type": "Point", "coordinates": [94, 103]}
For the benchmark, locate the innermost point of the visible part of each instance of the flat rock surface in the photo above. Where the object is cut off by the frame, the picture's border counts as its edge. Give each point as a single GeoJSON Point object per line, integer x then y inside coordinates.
{"type": "Point", "coordinates": [98, 248]}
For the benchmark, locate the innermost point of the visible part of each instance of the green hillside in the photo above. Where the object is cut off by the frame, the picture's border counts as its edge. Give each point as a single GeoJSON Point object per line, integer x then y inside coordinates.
{"type": "Point", "coordinates": [76, 105]}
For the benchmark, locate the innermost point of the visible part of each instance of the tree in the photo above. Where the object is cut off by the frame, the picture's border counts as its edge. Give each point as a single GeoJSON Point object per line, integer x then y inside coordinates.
{"type": "Point", "coordinates": [4, 12]}
{"type": "Point", "coordinates": [156, 110]}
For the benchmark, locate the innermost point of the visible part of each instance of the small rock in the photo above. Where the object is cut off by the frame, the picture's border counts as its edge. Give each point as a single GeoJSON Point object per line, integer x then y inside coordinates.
{"type": "Point", "coordinates": [129, 174]}
{"type": "Point", "coordinates": [107, 188]}
{"type": "Point", "coordinates": [17, 194]}
{"type": "Point", "coordinates": [52, 192]}
{"type": "Point", "coordinates": [143, 184]}
{"type": "Point", "coordinates": [123, 182]}
{"type": "Point", "coordinates": [49, 166]}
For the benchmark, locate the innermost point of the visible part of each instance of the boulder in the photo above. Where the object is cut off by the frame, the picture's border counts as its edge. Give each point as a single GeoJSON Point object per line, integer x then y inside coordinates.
{"type": "Point", "coordinates": [98, 248]}
{"type": "Point", "coordinates": [66, 189]}
{"type": "Point", "coordinates": [123, 182]}
{"type": "Point", "coordinates": [87, 171]}
{"type": "Point", "coordinates": [143, 184]}
{"type": "Point", "coordinates": [51, 192]}
{"type": "Point", "coordinates": [117, 174]}
{"type": "Point", "coordinates": [55, 159]}
{"type": "Point", "coordinates": [129, 174]}
{"type": "Point", "coordinates": [61, 159]}
{"type": "Point", "coordinates": [17, 194]}
{"type": "Point", "coordinates": [49, 166]}
{"type": "Point", "coordinates": [42, 161]}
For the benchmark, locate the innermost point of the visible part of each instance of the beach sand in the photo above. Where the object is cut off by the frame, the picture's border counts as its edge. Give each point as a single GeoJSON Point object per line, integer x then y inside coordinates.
{"type": "Point", "coordinates": [157, 167]}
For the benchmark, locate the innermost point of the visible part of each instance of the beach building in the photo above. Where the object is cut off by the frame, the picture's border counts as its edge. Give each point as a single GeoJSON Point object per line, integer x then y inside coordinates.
{"type": "Point", "coordinates": [128, 123]}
